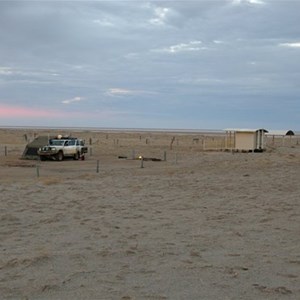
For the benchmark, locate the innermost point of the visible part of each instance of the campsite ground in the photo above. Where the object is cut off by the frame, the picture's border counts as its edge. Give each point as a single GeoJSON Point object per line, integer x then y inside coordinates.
{"type": "Point", "coordinates": [200, 225]}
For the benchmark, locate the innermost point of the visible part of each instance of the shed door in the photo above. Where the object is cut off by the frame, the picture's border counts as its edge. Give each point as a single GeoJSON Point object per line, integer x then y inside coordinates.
{"type": "Point", "coordinates": [244, 140]}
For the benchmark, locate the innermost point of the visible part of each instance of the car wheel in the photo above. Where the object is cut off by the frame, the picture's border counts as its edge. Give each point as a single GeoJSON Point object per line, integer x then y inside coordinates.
{"type": "Point", "coordinates": [59, 156]}
{"type": "Point", "coordinates": [76, 156]}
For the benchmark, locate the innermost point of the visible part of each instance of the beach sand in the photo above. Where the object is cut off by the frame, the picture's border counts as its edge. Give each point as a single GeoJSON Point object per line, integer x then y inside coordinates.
{"type": "Point", "coordinates": [200, 225]}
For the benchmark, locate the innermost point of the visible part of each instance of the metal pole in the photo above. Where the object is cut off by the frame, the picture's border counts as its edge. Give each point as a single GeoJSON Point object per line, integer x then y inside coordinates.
{"type": "Point", "coordinates": [37, 171]}
{"type": "Point", "coordinates": [97, 169]}
{"type": "Point", "coordinates": [5, 150]}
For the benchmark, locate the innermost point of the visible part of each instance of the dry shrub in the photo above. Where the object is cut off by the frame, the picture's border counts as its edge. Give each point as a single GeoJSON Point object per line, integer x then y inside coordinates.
{"type": "Point", "coordinates": [87, 176]}
{"type": "Point", "coordinates": [21, 164]}
{"type": "Point", "coordinates": [51, 181]}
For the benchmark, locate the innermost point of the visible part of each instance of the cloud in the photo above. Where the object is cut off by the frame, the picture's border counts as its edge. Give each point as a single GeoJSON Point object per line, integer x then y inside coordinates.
{"type": "Point", "coordinates": [160, 14]}
{"type": "Point", "coordinates": [103, 22]}
{"type": "Point", "coordinates": [182, 47]}
{"type": "Point", "coordinates": [218, 42]}
{"type": "Point", "coordinates": [18, 115]}
{"type": "Point", "coordinates": [10, 111]}
{"type": "Point", "coordinates": [75, 99]}
{"type": "Point", "coordinates": [254, 2]}
{"type": "Point", "coordinates": [6, 71]}
{"type": "Point", "coordinates": [290, 45]}
{"type": "Point", "coordinates": [122, 92]}
{"type": "Point", "coordinates": [126, 92]}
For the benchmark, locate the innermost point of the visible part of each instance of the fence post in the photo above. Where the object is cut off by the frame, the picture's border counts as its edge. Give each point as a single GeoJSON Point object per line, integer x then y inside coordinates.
{"type": "Point", "coordinates": [37, 171]}
{"type": "Point", "coordinates": [165, 155]}
{"type": "Point", "coordinates": [97, 169]}
{"type": "Point", "coordinates": [142, 162]}
{"type": "Point", "coordinates": [172, 141]}
{"type": "Point", "coordinates": [5, 150]}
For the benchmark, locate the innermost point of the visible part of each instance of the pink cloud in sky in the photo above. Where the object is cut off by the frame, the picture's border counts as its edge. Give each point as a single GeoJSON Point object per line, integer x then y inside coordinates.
{"type": "Point", "coordinates": [11, 114]}
{"type": "Point", "coordinates": [9, 111]}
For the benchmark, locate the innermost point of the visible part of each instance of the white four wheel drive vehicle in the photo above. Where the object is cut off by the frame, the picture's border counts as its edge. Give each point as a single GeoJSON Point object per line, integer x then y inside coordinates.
{"type": "Point", "coordinates": [62, 147]}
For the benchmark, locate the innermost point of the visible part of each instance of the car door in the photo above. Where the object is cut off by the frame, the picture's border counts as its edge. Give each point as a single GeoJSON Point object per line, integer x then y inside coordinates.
{"type": "Point", "coordinates": [67, 148]}
{"type": "Point", "coordinates": [71, 147]}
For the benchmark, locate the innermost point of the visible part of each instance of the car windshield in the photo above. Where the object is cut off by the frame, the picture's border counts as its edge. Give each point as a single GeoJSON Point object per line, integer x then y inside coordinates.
{"type": "Point", "coordinates": [57, 142]}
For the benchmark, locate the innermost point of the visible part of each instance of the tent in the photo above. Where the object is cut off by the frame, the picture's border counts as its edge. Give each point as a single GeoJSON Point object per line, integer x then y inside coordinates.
{"type": "Point", "coordinates": [31, 149]}
{"type": "Point", "coordinates": [283, 134]}
{"type": "Point", "coordinates": [280, 132]}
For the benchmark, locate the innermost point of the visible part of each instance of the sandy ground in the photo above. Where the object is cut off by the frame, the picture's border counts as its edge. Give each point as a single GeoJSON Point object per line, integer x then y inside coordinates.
{"type": "Point", "coordinates": [200, 225]}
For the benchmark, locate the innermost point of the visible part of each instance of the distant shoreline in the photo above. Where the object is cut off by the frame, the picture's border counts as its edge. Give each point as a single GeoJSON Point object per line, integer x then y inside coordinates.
{"type": "Point", "coordinates": [115, 129]}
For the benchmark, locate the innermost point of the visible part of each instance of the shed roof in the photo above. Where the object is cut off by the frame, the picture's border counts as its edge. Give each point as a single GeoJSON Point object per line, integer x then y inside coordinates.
{"type": "Point", "coordinates": [246, 130]}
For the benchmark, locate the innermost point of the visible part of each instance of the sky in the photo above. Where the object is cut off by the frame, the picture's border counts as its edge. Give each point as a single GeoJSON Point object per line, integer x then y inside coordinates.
{"type": "Point", "coordinates": [150, 64]}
